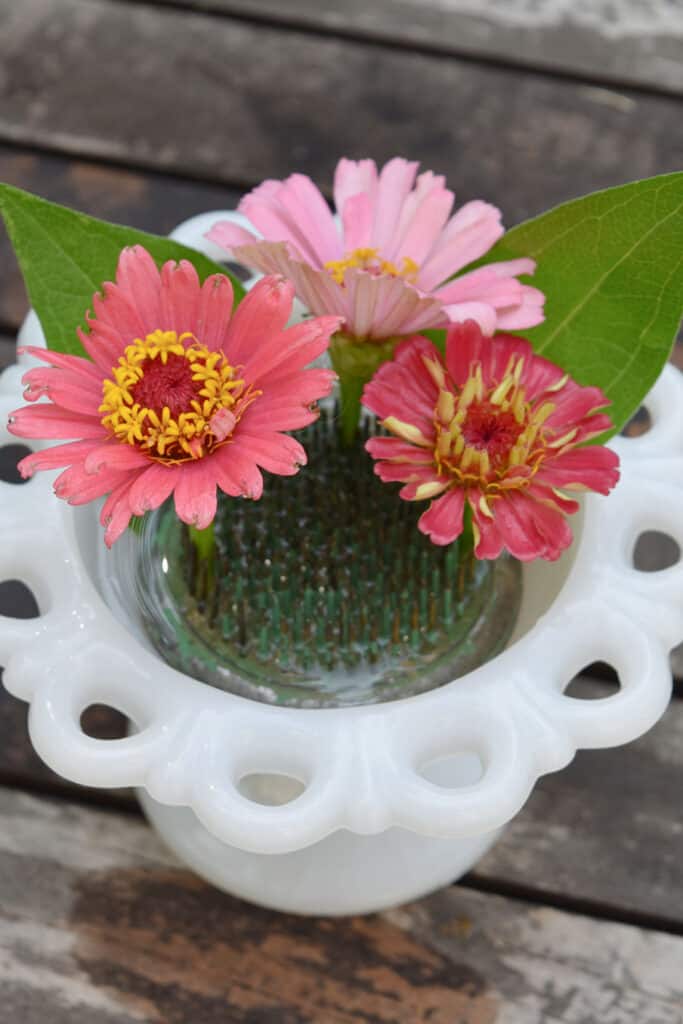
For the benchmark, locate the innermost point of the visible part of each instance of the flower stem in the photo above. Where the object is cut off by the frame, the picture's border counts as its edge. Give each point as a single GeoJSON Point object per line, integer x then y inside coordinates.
{"type": "Point", "coordinates": [355, 363]}
{"type": "Point", "coordinates": [137, 524]}
{"type": "Point", "coordinates": [467, 535]}
{"type": "Point", "coordinates": [350, 393]}
{"type": "Point", "coordinates": [204, 542]}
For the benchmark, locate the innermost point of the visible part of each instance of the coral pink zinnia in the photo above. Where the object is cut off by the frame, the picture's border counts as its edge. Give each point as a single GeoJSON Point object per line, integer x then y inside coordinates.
{"type": "Point", "coordinates": [494, 425]}
{"type": "Point", "coordinates": [386, 273]}
{"type": "Point", "coordinates": [180, 396]}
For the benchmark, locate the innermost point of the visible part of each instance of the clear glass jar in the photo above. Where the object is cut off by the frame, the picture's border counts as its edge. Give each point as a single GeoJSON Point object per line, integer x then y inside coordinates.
{"type": "Point", "coordinates": [323, 593]}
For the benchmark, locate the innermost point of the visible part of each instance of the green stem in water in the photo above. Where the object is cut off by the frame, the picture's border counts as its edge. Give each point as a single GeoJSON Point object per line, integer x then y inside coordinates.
{"type": "Point", "coordinates": [355, 363]}
{"type": "Point", "coordinates": [136, 524]}
{"type": "Point", "coordinates": [467, 535]}
{"type": "Point", "coordinates": [204, 542]}
{"type": "Point", "coordinates": [350, 393]}
{"type": "Point", "coordinates": [466, 554]}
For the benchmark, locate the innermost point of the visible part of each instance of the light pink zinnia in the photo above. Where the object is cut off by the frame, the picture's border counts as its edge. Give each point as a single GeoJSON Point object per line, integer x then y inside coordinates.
{"type": "Point", "coordinates": [494, 425]}
{"type": "Point", "coordinates": [386, 273]}
{"type": "Point", "coordinates": [180, 396]}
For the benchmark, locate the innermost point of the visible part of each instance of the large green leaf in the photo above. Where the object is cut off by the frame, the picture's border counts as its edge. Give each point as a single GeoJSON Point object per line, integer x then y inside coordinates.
{"type": "Point", "coordinates": [65, 258]}
{"type": "Point", "coordinates": [611, 266]}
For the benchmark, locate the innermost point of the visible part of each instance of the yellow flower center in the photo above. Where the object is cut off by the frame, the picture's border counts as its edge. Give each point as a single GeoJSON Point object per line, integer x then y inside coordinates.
{"type": "Point", "coordinates": [370, 260]}
{"type": "Point", "coordinates": [173, 398]}
{"type": "Point", "coordinates": [482, 435]}
{"type": "Point", "coordinates": [491, 439]}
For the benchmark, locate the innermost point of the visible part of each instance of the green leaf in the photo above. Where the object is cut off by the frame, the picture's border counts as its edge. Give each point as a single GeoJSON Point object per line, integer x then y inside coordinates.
{"type": "Point", "coordinates": [611, 266]}
{"type": "Point", "coordinates": [66, 256]}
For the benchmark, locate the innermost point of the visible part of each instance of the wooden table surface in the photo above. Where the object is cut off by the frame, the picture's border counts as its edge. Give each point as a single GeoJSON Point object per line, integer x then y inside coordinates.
{"type": "Point", "coordinates": [146, 113]}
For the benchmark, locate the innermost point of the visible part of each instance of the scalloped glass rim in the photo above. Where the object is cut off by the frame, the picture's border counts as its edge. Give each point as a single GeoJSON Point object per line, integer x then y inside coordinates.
{"type": "Point", "coordinates": [361, 766]}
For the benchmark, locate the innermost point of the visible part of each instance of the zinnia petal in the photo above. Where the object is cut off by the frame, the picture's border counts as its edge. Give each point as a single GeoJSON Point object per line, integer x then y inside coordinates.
{"type": "Point", "coordinates": [259, 319]}
{"type": "Point", "coordinates": [352, 178]}
{"type": "Point", "coordinates": [195, 495]}
{"type": "Point", "coordinates": [150, 488]}
{"type": "Point", "coordinates": [116, 512]}
{"type": "Point", "coordinates": [228, 235]}
{"type": "Point", "coordinates": [395, 182]}
{"type": "Point", "coordinates": [56, 456]}
{"type": "Point", "coordinates": [443, 520]}
{"type": "Point", "coordinates": [583, 469]}
{"type": "Point", "coordinates": [49, 421]}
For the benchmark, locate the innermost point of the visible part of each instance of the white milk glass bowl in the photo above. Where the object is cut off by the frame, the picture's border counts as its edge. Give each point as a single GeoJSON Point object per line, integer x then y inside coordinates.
{"type": "Point", "coordinates": [345, 810]}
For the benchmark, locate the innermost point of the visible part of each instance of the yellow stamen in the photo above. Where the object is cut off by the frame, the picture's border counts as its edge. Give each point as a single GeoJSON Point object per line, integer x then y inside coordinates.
{"type": "Point", "coordinates": [502, 390]}
{"type": "Point", "coordinates": [559, 384]}
{"type": "Point", "coordinates": [541, 414]}
{"type": "Point", "coordinates": [469, 456]}
{"type": "Point", "coordinates": [406, 431]}
{"type": "Point", "coordinates": [443, 445]}
{"type": "Point", "coordinates": [518, 370]}
{"type": "Point", "coordinates": [445, 406]}
{"type": "Point", "coordinates": [429, 490]}
{"type": "Point", "coordinates": [560, 494]}
{"type": "Point", "coordinates": [435, 371]}
{"type": "Point", "coordinates": [210, 388]}
{"type": "Point", "coordinates": [370, 259]}
{"type": "Point", "coordinates": [468, 393]}
{"type": "Point", "coordinates": [485, 508]}
{"type": "Point", "coordinates": [565, 439]}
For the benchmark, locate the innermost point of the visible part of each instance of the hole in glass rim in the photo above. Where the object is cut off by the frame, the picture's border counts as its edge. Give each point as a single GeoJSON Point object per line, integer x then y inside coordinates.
{"type": "Point", "coordinates": [654, 551]}
{"type": "Point", "coordinates": [17, 600]}
{"type": "Point", "coordinates": [103, 722]}
{"type": "Point", "coordinates": [270, 789]}
{"type": "Point", "coordinates": [453, 771]}
{"type": "Point", "coordinates": [238, 270]}
{"type": "Point", "coordinates": [639, 424]}
{"type": "Point", "coordinates": [594, 682]}
{"type": "Point", "coordinates": [10, 456]}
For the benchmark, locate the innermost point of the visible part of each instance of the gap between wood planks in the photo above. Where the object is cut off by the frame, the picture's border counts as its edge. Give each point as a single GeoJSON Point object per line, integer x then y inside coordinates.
{"type": "Point", "coordinates": [570, 904]}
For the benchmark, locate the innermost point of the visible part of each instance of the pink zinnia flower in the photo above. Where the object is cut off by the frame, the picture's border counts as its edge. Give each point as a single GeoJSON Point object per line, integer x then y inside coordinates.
{"type": "Point", "coordinates": [494, 425]}
{"type": "Point", "coordinates": [386, 272]}
{"type": "Point", "coordinates": [180, 396]}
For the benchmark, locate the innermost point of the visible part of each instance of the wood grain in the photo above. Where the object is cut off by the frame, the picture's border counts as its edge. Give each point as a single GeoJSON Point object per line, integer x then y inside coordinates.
{"type": "Point", "coordinates": [8, 347]}
{"type": "Point", "coordinates": [99, 924]}
{"type": "Point", "coordinates": [235, 102]}
{"type": "Point", "coordinates": [608, 829]}
{"type": "Point", "coordinates": [636, 41]}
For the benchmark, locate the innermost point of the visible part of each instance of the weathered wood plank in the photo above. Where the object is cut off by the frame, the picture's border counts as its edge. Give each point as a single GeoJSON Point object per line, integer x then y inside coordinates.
{"type": "Point", "coordinates": [250, 102]}
{"type": "Point", "coordinates": [605, 831]}
{"type": "Point", "coordinates": [143, 200]}
{"type": "Point", "coordinates": [636, 41]}
{"type": "Point", "coordinates": [98, 923]}
{"type": "Point", "coordinates": [8, 348]}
